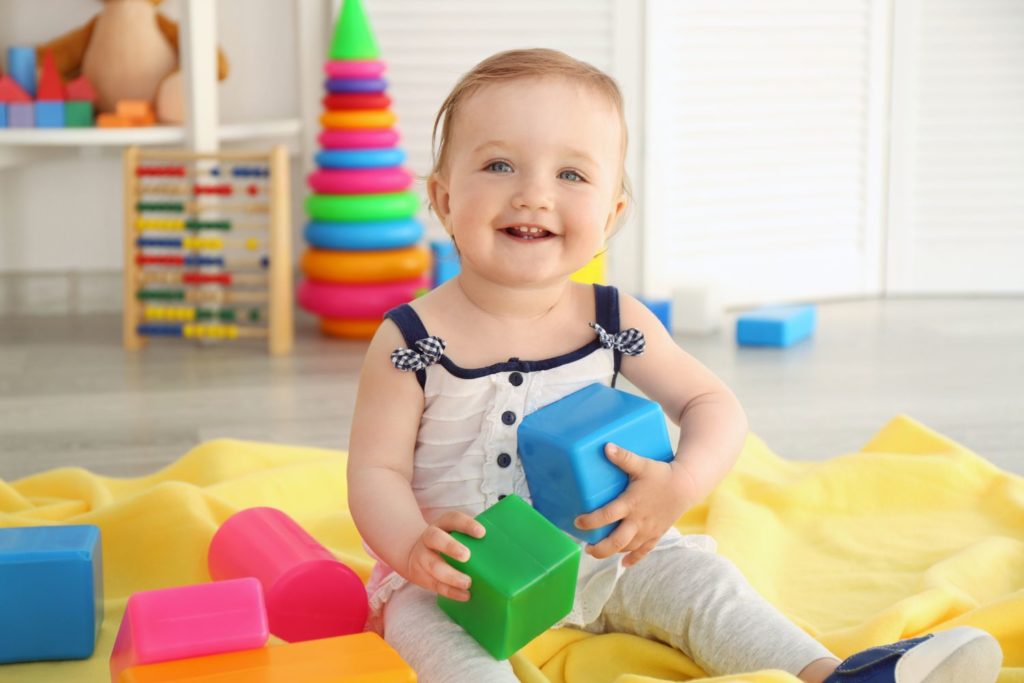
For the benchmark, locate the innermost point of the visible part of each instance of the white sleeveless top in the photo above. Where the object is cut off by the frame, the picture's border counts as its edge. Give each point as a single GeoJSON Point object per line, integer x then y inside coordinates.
{"type": "Point", "coordinates": [466, 455]}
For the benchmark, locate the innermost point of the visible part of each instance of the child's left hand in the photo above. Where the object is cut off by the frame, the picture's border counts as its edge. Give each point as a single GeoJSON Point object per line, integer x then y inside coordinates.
{"type": "Point", "coordinates": [657, 495]}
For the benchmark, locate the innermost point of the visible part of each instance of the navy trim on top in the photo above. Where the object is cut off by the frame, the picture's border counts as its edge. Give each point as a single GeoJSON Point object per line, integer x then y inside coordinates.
{"type": "Point", "coordinates": [606, 305]}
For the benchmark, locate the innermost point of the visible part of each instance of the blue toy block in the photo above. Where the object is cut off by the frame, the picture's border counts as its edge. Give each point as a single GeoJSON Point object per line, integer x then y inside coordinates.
{"type": "Point", "coordinates": [780, 326]}
{"type": "Point", "coordinates": [445, 260]}
{"type": "Point", "coordinates": [562, 450]}
{"type": "Point", "coordinates": [49, 114]}
{"type": "Point", "coordinates": [661, 308]}
{"type": "Point", "coordinates": [51, 589]}
{"type": "Point", "coordinates": [21, 115]}
{"type": "Point", "coordinates": [3, 114]}
{"type": "Point", "coordinates": [21, 66]}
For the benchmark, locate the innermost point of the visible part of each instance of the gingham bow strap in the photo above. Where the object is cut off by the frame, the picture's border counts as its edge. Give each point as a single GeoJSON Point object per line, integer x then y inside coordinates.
{"type": "Point", "coordinates": [430, 350]}
{"type": "Point", "coordinates": [630, 342]}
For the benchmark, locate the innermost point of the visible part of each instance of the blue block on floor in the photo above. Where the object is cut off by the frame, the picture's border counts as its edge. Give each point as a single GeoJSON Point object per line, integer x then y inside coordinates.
{"type": "Point", "coordinates": [562, 450]}
{"type": "Point", "coordinates": [661, 308]}
{"type": "Point", "coordinates": [780, 326]}
{"type": "Point", "coordinates": [51, 589]}
{"type": "Point", "coordinates": [49, 114]}
{"type": "Point", "coordinates": [21, 115]}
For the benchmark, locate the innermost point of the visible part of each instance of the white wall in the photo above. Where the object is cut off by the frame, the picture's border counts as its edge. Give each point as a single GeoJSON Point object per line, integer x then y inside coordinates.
{"type": "Point", "coordinates": [65, 215]}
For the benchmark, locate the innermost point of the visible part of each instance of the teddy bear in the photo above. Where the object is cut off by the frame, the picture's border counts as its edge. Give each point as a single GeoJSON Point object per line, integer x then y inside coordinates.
{"type": "Point", "coordinates": [129, 51]}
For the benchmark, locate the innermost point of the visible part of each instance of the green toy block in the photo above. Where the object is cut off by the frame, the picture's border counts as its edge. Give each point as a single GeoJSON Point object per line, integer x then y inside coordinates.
{"type": "Point", "coordinates": [353, 38]}
{"type": "Point", "coordinates": [524, 577]}
{"type": "Point", "coordinates": [78, 114]}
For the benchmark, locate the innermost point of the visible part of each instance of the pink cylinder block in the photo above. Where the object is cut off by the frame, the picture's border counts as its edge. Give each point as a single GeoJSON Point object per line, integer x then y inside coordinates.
{"type": "Point", "coordinates": [360, 180]}
{"type": "Point", "coordinates": [337, 300]}
{"type": "Point", "coordinates": [367, 138]}
{"type": "Point", "coordinates": [309, 594]}
{"type": "Point", "coordinates": [354, 68]}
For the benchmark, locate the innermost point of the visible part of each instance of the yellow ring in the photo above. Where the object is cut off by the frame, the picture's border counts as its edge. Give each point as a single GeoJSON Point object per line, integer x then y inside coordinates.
{"type": "Point", "coordinates": [364, 266]}
{"type": "Point", "coordinates": [349, 329]}
{"type": "Point", "coordinates": [358, 118]}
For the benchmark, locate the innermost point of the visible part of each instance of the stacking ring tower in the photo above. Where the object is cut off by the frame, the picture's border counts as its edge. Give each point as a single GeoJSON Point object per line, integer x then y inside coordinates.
{"type": "Point", "coordinates": [364, 254]}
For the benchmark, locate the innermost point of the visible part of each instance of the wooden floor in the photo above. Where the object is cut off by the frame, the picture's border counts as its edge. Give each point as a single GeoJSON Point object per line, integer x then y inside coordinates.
{"type": "Point", "coordinates": [70, 396]}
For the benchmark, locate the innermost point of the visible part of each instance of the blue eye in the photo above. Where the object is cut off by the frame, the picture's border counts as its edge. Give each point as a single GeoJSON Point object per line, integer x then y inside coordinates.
{"type": "Point", "coordinates": [571, 175]}
{"type": "Point", "coordinates": [499, 166]}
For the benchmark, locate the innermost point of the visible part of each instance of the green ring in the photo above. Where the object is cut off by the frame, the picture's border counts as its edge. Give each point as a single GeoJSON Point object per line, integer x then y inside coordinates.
{"type": "Point", "coordinates": [362, 207]}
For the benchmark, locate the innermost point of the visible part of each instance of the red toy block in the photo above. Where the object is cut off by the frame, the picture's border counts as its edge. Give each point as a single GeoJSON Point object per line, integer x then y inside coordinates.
{"type": "Point", "coordinates": [10, 91]}
{"type": "Point", "coordinates": [80, 90]}
{"type": "Point", "coordinates": [51, 88]}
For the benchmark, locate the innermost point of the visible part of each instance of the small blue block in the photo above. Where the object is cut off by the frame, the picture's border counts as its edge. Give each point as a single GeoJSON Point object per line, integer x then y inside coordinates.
{"type": "Point", "coordinates": [21, 66]}
{"type": "Point", "coordinates": [661, 308]}
{"type": "Point", "coordinates": [3, 114]}
{"type": "Point", "coordinates": [780, 326]}
{"type": "Point", "coordinates": [21, 115]}
{"type": "Point", "coordinates": [562, 450]}
{"type": "Point", "coordinates": [446, 261]}
{"type": "Point", "coordinates": [49, 114]}
{"type": "Point", "coordinates": [51, 589]}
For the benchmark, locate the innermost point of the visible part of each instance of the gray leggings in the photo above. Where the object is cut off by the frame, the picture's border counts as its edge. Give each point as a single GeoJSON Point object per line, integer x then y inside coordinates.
{"type": "Point", "coordinates": [694, 600]}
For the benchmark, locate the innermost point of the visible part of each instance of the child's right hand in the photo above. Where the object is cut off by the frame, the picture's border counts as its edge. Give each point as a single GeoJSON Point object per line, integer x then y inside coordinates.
{"type": "Point", "coordinates": [426, 568]}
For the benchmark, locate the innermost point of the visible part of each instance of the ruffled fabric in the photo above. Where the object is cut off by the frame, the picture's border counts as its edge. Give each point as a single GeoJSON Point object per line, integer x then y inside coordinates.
{"type": "Point", "coordinates": [430, 351]}
{"type": "Point", "coordinates": [630, 341]}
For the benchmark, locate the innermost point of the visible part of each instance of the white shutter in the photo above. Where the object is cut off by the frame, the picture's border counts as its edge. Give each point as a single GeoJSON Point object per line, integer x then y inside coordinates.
{"type": "Point", "coordinates": [765, 138]}
{"type": "Point", "coordinates": [957, 204]}
{"type": "Point", "coordinates": [429, 45]}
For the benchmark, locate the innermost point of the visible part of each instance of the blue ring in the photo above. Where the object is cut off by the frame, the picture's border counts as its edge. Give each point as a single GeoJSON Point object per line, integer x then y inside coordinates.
{"type": "Point", "coordinates": [344, 85]}
{"type": "Point", "coordinates": [360, 158]}
{"type": "Point", "coordinates": [364, 236]}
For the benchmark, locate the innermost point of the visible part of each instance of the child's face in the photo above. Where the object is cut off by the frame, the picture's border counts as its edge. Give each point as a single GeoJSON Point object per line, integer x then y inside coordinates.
{"type": "Point", "coordinates": [540, 152]}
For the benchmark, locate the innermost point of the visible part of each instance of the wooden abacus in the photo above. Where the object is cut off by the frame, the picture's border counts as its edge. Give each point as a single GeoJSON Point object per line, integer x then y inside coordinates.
{"type": "Point", "coordinates": [184, 276]}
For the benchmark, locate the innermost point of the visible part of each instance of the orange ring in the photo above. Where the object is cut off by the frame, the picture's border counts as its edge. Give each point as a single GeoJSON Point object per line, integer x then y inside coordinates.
{"type": "Point", "coordinates": [349, 329]}
{"type": "Point", "coordinates": [358, 118]}
{"type": "Point", "coordinates": [327, 265]}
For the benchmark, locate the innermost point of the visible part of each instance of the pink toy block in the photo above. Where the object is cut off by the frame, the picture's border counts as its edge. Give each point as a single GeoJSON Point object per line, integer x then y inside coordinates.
{"type": "Point", "coordinates": [80, 90]}
{"type": "Point", "coordinates": [51, 89]}
{"type": "Point", "coordinates": [11, 92]}
{"type": "Point", "coordinates": [190, 621]}
{"type": "Point", "coordinates": [309, 593]}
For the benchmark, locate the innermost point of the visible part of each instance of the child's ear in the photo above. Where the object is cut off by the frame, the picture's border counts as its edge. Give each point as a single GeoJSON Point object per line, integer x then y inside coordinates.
{"type": "Point", "coordinates": [613, 218]}
{"type": "Point", "coordinates": [440, 199]}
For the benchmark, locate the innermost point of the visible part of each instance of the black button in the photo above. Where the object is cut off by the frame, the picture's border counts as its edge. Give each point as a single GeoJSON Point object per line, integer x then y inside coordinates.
{"type": "Point", "coordinates": [501, 497]}
{"type": "Point", "coordinates": [516, 379]}
{"type": "Point", "coordinates": [504, 460]}
{"type": "Point", "coordinates": [508, 417]}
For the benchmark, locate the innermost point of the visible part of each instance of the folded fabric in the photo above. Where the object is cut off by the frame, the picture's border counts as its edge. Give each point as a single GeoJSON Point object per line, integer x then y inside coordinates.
{"type": "Point", "coordinates": [912, 533]}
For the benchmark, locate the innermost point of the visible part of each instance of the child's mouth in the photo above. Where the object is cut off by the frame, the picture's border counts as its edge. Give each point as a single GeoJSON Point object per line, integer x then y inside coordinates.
{"type": "Point", "coordinates": [527, 233]}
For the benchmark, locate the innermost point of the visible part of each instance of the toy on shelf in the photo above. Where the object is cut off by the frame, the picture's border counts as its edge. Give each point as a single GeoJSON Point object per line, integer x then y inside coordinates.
{"type": "Point", "coordinates": [189, 621]}
{"type": "Point", "coordinates": [26, 102]}
{"type": "Point", "coordinates": [562, 450]}
{"type": "Point", "coordinates": [128, 51]}
{"type": "Point", "coordinates": [128, 114]}
{"type": "Point", "coordinates": [359, 658]}
{"type": "Point", "coordinates": [779, 326]}
{"type": "Point", "coordinates": [207, 246]}
{"type": "Point", "coordinates": [523, 574]}
{"type": "Point", "coordinates": [309, 593]}
{"type": "Point", "coordinates": [51, 580]}
{"type": "Point", "coordinates": [363, 233]}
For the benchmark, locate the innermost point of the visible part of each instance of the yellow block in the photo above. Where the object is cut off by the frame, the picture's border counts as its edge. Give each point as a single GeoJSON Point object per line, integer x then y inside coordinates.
{"type": "Point", "coordinates": [359, 658]}
{"type": "Point", "coordinates": [593, 272]}
{"type": "Point", "coordinates": [359, 118]}
{"type": "Point", "coordinates": [160, 224]}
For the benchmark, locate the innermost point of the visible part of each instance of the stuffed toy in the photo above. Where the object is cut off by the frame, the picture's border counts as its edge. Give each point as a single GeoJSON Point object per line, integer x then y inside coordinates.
{"type": "Point", "coordinates": [129, 51]}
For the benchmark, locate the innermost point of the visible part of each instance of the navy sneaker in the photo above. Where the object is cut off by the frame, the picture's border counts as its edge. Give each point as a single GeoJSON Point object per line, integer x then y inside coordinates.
{"type": "Point", "coordinates": [960, 655]}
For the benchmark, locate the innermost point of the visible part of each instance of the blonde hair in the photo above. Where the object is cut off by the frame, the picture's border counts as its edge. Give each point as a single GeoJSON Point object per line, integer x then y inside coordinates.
{"type": "Point", "coordinates": [513, 65]}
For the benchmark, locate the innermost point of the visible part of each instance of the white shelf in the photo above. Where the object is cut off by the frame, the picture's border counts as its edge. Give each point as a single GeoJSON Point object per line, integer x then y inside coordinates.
{"type": "Point", "coordinates": [150, 135]}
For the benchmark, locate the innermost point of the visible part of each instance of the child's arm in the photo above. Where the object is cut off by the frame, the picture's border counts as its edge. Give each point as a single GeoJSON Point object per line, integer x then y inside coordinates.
{"type": "Point", "coordinates": [389, 404]}
{"type": "Point", "coordinates": [712, 425]}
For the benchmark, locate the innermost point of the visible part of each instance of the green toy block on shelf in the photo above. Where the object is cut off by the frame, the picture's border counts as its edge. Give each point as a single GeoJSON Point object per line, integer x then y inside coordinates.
{"type": "Point", "coordinates": [78, 114]}
{"type": "Point", "coordinates": [524, 577]}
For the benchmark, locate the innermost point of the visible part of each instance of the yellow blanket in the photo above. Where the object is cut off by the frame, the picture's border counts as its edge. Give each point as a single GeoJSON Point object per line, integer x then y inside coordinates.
{"type": "Point", "coordinates": [910, 534]}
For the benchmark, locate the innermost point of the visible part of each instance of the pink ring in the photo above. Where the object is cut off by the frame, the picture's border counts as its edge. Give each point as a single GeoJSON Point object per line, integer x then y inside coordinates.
{"type": "Point", "coordinates": [332, 300]}
{"type": "Point", "coordinates": [369, 138]}
{"type": "Point", "coordinates": [360, 180]}
{"type": "Point", "coordinates": [354, 68]}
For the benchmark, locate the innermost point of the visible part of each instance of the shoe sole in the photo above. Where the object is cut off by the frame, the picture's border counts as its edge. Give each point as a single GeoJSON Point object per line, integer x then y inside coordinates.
{"type": "Point", "coordinates": [959, 655]}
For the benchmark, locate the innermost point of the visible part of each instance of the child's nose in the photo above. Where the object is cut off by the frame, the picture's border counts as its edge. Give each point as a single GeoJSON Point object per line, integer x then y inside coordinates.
{"type": "Point", "coordinates": [532, 193]}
